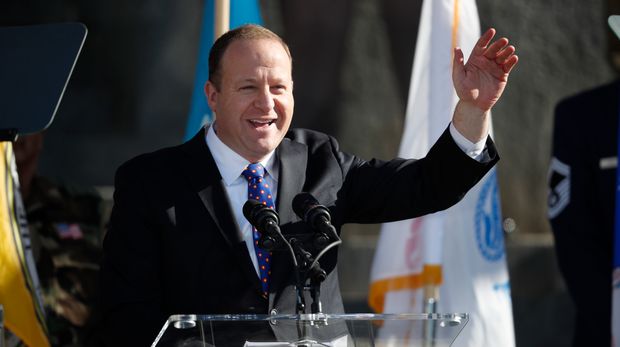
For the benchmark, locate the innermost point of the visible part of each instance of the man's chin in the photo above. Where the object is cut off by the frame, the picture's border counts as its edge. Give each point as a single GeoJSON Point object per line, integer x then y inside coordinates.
{"type": "Point", "coordinates": [260, 150]}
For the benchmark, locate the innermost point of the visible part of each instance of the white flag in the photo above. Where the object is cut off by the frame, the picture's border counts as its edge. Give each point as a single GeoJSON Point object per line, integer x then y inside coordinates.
{"type": "Point", "coordinates": [462, 248]}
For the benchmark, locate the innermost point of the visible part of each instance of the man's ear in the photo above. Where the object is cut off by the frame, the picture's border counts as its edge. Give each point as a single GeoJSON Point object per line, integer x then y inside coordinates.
{"type": "Point", "coordinates": [211, 94]}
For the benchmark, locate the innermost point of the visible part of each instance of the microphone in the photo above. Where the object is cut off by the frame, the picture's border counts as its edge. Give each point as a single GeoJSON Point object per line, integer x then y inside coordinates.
{"type": "Point", "coordinates": [265, 220]}
{"type": "Point", "coordinates": [316, 215]}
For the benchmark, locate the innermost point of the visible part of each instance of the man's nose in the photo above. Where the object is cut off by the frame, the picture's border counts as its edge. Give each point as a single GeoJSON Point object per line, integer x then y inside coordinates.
{"type": "Point", "coordinates": [265, 100]}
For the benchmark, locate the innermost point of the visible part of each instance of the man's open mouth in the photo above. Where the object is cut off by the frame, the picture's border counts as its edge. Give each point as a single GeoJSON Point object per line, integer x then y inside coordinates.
{"type": "Point", "coordinates": [261, 123]}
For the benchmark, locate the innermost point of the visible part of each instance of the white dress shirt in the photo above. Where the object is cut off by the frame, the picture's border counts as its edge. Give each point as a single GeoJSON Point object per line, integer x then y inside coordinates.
{"type": "Point", "coordinates": [473, 150]}
{"type": "Point", "coordinates": [231, 165]}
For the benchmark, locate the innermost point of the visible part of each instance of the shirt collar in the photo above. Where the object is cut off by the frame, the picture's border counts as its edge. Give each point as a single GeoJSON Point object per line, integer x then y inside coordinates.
{"type": "Point", "coordinates": [230, 163]}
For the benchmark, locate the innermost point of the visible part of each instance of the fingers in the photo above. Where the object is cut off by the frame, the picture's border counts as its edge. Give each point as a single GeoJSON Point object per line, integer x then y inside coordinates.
{"type": "Point", "coordinates": [504, 54]}
{"type": "Point", "coordinates": [458, 64]}
{"type": "Point", "coordinates": [458, 56]}
{"type": "Point", "coordinates": [500, 51]}
{"type": "Point", "coordinates": [492, 51]}
{"type": "Point", "coordinates": [483, 41]}
{"type": "Point", "coordinates": [510, 63]}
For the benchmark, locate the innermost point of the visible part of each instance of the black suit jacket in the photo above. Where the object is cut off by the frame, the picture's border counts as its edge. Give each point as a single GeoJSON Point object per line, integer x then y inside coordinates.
{"type": "Point", "coordinates": [581, 205]}
{"type": "Point", "coordinates": [173, 245]}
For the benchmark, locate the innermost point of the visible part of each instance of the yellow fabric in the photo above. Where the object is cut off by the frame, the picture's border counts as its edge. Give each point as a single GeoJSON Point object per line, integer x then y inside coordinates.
{"type": "Point", "coordinates": [430, 275]}
{"type": "Point", "coordinates": [23, 315]}
{"type": "Point", "coordinates": [455, 25]}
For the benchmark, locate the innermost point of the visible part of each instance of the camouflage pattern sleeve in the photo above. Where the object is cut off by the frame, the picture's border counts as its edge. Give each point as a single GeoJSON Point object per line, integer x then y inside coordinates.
{"type": "Point", "coordinates": [66, 225]}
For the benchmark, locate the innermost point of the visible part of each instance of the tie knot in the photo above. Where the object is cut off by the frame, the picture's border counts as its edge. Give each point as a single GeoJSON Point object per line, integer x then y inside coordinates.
{"type": "Point", "coordinates": [253, 171]}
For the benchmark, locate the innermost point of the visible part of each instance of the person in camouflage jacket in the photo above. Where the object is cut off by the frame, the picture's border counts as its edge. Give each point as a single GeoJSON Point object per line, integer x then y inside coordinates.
{"type": "Point", "coordinates": [66, 230]}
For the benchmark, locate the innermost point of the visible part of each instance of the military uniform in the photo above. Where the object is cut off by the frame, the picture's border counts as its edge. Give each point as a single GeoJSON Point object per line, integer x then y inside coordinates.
{"type": "Point", "coordinates": [66, 230]}
{"type": "Point", "coordinates": [581, 202]}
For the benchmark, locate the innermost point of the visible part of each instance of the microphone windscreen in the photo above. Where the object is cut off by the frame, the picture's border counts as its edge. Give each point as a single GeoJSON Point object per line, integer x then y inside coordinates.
{"type": "Point", "coordinates": [302, 203]}
{"type": "Point", "coordinates": [249, 210]}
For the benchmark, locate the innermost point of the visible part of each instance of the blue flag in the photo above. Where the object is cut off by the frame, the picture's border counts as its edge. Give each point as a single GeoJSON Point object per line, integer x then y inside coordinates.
{"type": "Point", "coordinates": [241, 12]}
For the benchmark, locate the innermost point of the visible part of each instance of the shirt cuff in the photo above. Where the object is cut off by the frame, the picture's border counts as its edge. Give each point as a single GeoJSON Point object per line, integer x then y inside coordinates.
{"type": "Point", "coordinates": [473, 150]}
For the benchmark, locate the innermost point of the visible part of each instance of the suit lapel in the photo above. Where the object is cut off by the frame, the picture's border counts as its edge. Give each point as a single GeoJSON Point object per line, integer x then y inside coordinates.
{"type": "Point", "coordinates": [293, 158]}
{"type": "Point", "coordinates": [207, 183]}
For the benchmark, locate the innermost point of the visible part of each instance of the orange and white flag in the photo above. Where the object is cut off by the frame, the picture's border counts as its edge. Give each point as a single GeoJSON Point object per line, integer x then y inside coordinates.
{"type": "Point", "coordinates": [460, 251]}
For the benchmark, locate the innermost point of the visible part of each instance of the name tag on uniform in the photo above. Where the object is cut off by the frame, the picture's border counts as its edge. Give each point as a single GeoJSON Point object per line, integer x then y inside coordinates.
{"type": "Point", "coordinates": [608, 163]}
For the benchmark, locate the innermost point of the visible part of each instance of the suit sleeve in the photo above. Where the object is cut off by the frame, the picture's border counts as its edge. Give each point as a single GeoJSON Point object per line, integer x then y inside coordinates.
{"type": "Point", "coordinates": [131, 291]}
{"type": "Point", "coordinates": [384, 191]}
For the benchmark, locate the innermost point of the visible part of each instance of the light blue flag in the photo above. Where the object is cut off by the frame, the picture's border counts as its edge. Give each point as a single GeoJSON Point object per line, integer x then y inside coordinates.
{"type": "Point", "coordinates": [241, 12]}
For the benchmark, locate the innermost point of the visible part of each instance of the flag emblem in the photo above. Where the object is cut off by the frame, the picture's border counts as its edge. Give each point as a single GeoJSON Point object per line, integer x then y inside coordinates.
{"type": "Point", "coordinates": [488, 225]}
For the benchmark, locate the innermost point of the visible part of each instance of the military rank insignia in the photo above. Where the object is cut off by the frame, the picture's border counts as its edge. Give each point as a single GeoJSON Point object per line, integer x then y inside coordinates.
{"type": "Point", "coordinates": [559, 187]}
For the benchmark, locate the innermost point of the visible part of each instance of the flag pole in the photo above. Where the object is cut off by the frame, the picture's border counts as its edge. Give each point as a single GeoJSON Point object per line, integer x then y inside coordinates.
{"type": "Point", "coordinates": [222, 18]}
{"type": "Point", "coordinates": [432, 277]}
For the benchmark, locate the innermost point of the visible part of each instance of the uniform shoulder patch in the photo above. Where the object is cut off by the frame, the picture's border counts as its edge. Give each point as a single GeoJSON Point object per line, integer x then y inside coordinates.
{"type": "Point", "coordinates": [559, 187]}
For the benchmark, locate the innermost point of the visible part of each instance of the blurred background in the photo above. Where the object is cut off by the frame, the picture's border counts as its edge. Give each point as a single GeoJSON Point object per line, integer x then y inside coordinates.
{"type": "Point", "coordinates": [131, 88]}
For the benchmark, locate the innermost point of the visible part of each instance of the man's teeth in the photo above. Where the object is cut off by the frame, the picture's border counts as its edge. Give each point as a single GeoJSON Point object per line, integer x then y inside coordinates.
{"type": "Point", "coordinates": [261, 122]}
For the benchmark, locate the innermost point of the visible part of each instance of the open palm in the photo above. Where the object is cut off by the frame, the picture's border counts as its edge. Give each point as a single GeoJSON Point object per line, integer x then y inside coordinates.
{"type": "Point", "coordinates": [481, 81]}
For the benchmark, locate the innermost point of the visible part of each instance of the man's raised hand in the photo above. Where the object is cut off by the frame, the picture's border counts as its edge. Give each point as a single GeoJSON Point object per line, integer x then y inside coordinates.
{"type": "Point", "coordinates": [481, 81]}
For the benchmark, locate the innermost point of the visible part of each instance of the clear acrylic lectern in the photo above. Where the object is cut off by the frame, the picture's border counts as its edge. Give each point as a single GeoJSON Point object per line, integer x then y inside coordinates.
{"type": "Point", "coordinates": [309, 330]}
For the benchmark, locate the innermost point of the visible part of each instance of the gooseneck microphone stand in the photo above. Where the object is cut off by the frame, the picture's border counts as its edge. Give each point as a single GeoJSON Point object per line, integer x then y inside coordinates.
{"type": "Point", "coordinates": [307, 267]}
{"type": "Point", "coordinates": [308, 272]}
{"type": "Point", "coordinates": [267, 222]}
{"type": "Point", "coordinates": [324, 238]}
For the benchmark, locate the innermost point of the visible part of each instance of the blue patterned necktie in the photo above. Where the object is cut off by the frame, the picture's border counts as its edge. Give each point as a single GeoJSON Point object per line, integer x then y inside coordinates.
{"type": "Point", "coordinates": [258, 190]}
